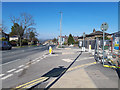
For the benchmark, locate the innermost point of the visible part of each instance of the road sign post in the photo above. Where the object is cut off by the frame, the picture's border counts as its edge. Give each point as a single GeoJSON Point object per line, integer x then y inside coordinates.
{"type": "Point", "coordinates": [83, 48]}
{"type": "Point", "coordinates": [104, 28]}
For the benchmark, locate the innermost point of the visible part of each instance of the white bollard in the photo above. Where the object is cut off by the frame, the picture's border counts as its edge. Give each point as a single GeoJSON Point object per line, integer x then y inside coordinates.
{"type": "Point", "coordinates": [89, 48]}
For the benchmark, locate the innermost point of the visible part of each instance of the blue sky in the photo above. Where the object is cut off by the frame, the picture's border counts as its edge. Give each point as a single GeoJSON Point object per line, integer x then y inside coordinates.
{"type": "Point", "coordinates": [78, 17]}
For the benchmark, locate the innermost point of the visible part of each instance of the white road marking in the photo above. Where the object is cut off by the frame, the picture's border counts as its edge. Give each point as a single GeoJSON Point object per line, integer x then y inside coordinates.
{"type": "Point", "coordinates": [38, 60]}
{"type": "Point", "coordinates": [26, 66]}
{"type": "Point", "coordinates": [11, 70]}
{"type": "Point", "coordinates": [18, 70]}
{"type": "Point", "coordinates": [67, 60]}
{"type": "Point", "coordinates": [7, 76]}
{"type": "Point", "coordinates": [41, 58]}
{"type": "Point", "coordinates": [54, 55]}
{"type": "Point", "coordinates": [10, 62]}
{"type": "Point", "coordinates": [34, 62]}
{"type": "Point", "coordinates": [1, 75]}
{"type": "Point", "coordinates": [20, 66]}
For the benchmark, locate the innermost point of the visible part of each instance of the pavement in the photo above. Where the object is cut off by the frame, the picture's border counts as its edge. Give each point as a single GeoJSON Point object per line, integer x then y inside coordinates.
{"type": "Point", "coordinates": [88, 75]}
{"type": "Point", "coordinates": [75, 79]}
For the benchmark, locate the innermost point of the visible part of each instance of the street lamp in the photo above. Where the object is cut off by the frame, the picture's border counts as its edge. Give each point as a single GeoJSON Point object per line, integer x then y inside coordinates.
{"type": "Point", "coordinates": [104, 28]}
{"type": "Point", "coordinates": [83, 48]}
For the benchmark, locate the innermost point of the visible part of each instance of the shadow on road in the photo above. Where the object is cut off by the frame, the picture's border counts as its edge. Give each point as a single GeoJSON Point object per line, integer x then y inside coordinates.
{"type": "Point", "coordinates": [55, 72]}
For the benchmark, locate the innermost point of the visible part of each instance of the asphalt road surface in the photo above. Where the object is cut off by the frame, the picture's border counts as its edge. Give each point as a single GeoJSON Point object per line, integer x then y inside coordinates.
{"type": "Point", "coordinates": [19, 53]}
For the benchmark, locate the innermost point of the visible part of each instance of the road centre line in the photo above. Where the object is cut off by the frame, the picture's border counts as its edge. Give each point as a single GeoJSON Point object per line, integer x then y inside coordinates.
{"type": "Point", "coordinates": [11, 70]}
{"type": "Point", "coordinates": [26, 66]}
{"type": "Point", "coordinates": [7, 76]}
{"type": "Point", "coordinates": [20, 66]}
{"type": "Point", "coordinates": [30, 82]}
{"type": "Point", "coordinates": [18, 70]}
{"type": "Point", "coordinates": [2, 75]}
{"type": "Point", "coordinates": [10, 62]}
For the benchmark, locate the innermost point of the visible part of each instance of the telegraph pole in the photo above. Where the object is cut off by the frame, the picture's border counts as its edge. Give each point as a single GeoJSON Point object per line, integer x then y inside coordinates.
{"type": "Point", "coordinates": [60, 28]}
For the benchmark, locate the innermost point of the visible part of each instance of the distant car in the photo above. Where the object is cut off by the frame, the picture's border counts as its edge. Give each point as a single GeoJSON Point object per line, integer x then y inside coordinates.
{"type": "Point", "coordinates": [5, 45]}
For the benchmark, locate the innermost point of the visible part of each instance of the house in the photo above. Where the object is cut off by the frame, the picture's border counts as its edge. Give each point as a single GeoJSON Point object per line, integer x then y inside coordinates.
{"type": "Point", "coordinates": [14, 37]}
{"type": "Point", "coordinates": [95, 34]}
{"type": "Point", "coordinates": [3, 34]}
{"type": "Point", "coordinates": [90, 38]}
{"type": "Point", "coordinates": [63, 39]}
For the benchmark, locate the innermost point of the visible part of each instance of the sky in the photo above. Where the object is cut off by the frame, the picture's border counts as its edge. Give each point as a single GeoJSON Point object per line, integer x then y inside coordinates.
{"type": "Point", "coordinates": [78, 17]}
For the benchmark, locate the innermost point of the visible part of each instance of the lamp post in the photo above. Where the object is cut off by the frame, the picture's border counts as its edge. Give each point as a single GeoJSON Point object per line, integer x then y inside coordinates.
{"type": "Point", "coordinates": [83, 42]}
{"type": "Point", "coordinates": [60, 30]}
{"type": "Point", "coordinates": [104, 28]}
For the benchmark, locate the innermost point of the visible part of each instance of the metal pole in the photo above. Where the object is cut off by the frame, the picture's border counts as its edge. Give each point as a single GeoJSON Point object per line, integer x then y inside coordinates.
{"type": "Point", "coordinates": [103, 46]}
{"type": "Point", "coordinates": [83, 41]}
{"type": "Point", "coordinates": [60, 28]}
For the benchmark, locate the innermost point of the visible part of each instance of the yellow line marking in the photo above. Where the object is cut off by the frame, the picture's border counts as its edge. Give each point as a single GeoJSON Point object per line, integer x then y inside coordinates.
{"type": "Point", "coordinates": [30, 82]}
{"type": "Point", "coordinates": [34, 83]}
{"type": "Point", "coordinates": [81, 66]}
{"type": "Point", "coordinates": [70, 69]}
{"type": "Point", "coordinates": [110, 66]}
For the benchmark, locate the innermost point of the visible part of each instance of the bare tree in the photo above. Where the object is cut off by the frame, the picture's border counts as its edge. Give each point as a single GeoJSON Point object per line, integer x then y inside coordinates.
{"type": "Point", "coordinates": [26, 22]}
{"type": "Point", "coordinates": [4, 27]}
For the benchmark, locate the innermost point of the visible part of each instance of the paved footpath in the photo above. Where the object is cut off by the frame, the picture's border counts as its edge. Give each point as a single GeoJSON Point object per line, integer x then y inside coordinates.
{"type": "Point", "coordinates": [86, 73]}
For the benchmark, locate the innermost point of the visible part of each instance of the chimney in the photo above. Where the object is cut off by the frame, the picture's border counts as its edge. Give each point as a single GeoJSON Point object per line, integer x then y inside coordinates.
{"type": "Point", "coordinates": [94, 30]}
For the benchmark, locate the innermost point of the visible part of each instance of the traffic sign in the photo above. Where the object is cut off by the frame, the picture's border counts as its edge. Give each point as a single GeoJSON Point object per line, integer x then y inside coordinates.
{"type": "Point", "coordinates": [104, 27]}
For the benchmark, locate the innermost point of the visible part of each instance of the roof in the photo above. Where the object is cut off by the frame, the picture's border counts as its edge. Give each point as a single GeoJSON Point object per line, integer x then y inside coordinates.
{"type": "Point", "coordinates": [95, 33]}
{"type": "Point", "coordinates": [116, 34]}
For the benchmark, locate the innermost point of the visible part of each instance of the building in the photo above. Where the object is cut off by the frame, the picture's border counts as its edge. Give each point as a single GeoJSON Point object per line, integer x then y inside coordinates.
{"type": "Point", "coordinates": [95, 34]}
{"type": "Point", "coordinates": [63, 39]}
{"type": "Point", "coordinates": [90, 39]}
{"type": "Point", "coordinates": [15, 37]}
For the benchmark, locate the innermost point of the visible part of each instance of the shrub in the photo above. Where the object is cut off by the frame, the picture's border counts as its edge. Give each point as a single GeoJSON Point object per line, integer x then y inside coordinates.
{"type": "Point", "coordinates": [24, 42]}
{"type": "Point", "coordinates": [3, 39]}
{"type": "Point", "coordinates": [13, 43]}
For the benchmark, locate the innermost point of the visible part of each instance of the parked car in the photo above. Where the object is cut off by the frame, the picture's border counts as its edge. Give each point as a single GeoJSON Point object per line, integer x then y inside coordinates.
{"type": "Point", "coordinates": [5, 45]}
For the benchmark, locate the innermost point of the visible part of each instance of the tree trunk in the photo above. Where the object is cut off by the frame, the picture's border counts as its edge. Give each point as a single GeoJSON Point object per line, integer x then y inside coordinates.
{"type": "Point", "coordinates": [20, 42]}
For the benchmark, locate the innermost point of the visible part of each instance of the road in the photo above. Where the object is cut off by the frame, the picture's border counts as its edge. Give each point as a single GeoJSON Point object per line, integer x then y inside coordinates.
{"type": "Point", "coordinates": [19, 53]}
{"type": "Point", "coordinates": [40, 64]}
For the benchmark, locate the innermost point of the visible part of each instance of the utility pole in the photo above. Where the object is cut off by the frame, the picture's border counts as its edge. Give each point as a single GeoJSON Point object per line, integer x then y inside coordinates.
{"type": "Point", "coordinates": [60, 28]}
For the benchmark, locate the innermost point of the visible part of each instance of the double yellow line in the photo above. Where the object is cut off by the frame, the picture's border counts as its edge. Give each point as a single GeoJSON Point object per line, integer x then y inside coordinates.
{"type": "Point", "coordinates": [36, 81]}
{"type": "Point", "coordinates": [31, 83]}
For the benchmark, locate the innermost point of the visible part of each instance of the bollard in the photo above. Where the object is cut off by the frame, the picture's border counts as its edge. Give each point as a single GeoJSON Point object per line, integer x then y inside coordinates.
{"type": "Point", "coordinates": [50, 50]}
{"type": "Point", "coordinates": [89, 48]}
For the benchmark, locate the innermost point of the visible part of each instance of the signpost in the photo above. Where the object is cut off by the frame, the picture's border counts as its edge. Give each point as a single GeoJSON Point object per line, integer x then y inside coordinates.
{"type": "Point", "coordinates": [104, 28]}
{"type": "Point", "coordinates": [83, 48]}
